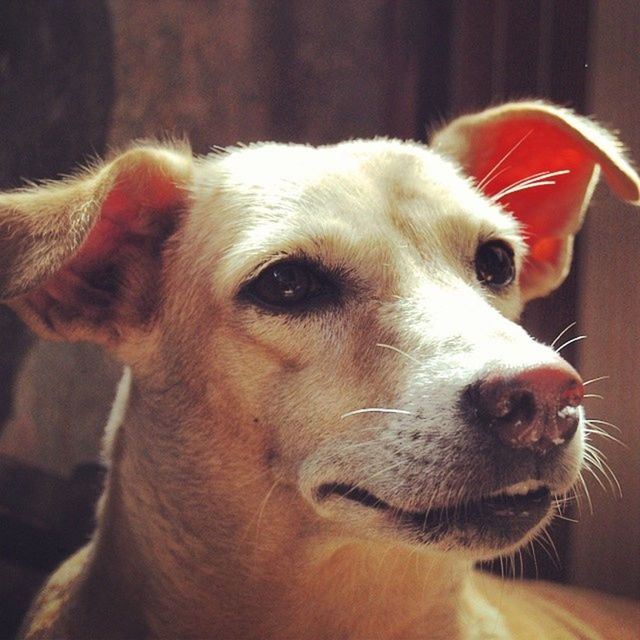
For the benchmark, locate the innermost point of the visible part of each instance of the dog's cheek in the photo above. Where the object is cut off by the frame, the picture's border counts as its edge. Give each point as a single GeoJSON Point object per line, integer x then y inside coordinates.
{"type": "Point", "coordinates": [303, 412]}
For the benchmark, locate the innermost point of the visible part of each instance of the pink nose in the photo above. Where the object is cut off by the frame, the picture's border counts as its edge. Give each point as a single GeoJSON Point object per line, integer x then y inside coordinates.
{"type": "Point", "coordinates": [535, 409]}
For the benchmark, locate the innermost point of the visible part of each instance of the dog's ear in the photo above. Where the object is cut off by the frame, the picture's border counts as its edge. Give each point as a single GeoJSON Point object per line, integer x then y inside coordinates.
{"type": "Point", "coordinates": [80, 259]}
{"type": "Point", "coordinates": [541, 163]}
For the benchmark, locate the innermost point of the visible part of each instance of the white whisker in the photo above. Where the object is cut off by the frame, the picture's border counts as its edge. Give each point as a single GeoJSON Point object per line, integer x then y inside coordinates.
{"type": "Point", "coordinates": [521, 558]}
{"type": "Point", "coordinates": [483, 183]}
{"type": "Point", "coordinates": [605, 434]}
{"type": "Point", "coordinates": [612, 478]}
{"type": "Point", "coordinates": [567, 328]}
{"type": "Point", "coordinates": [586, 492]}
{"type": "Point", "coordinates": [488, 179]}
{"type": "Point", "coordinates": [535, 559]}
{"type": "Point", "coordinates": [587, 382]}
{"type": "Point", "coordinates": [568, 342]}
{"type": "Point", "coordinates": [263, 505]}
{"type": "Point", "coordinates": [598, 459]}
{"type": "Point", "coordinates": [605, 423]}
{"type": "Point", "coordinates": [594, 474]}
{"type": "Point", "coordinates": [536, 180]}
{"type": "Point", "coordinates": [566, 499]}
{"type": "Point", "coordinates": [575, 496]}
{"type": "Point", "coordinates": [593, 456]}
{"type": "Point", "coordinates": [561, 516]}
{"type": "Point", "coordinates": [375, 410]}
{"type": "Point", "coordinates": [400, 351]}
{"type": "Point", "coordinates": [553, 553]}
{"type": "Point", "coordinates": [589, 448]}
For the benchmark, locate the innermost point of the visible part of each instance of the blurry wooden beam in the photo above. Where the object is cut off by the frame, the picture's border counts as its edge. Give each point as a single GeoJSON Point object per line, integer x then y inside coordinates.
{"type": "Point", "coordinates": [605, 547]}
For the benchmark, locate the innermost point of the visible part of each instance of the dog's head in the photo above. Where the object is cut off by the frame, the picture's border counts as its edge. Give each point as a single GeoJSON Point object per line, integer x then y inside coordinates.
{"type": "Point", "coordinates": [341, 317]}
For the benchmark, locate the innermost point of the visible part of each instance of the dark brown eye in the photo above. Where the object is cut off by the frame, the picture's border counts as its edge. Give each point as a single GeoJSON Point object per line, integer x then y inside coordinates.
{"type": "Point", "coordinates": [289, 285]}
{"type": "Point", "coordinates": [495, 266]}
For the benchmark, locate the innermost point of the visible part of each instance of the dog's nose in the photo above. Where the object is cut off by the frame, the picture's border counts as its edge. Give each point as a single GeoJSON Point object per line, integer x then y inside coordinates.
{"type": "Point", "coordinates": [535, 409]}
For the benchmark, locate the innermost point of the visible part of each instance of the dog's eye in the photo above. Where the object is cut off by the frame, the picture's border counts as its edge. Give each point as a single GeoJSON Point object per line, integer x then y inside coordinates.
{"type": "Point", "coordinates": [495, 266]}
{"type": "Point", "coordinates": [289, 285]}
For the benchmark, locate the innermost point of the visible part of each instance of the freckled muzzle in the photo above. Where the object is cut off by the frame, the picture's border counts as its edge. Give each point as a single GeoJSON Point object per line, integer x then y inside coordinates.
{"type": "Point", "coordinates": [513, 430]}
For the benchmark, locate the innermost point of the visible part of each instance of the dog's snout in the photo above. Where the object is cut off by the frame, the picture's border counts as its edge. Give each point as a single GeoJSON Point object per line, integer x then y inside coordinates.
{"type": "Point", "coordinates": [535, 409]}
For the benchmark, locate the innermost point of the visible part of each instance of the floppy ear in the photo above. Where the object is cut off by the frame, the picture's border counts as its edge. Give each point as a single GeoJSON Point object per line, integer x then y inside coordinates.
{"type": "Point", "coordinates": [541, 163]}
{"type": "Point", "coordinates": [80, 259]}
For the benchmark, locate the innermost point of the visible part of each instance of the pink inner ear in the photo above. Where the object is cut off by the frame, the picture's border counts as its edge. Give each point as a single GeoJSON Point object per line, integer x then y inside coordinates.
{"type": "Point", "coordinates": [135, 217]}
{"type": "Point", "coordinates": [506, 152]}
{"type": "Point", "coordinates": [130, 210]}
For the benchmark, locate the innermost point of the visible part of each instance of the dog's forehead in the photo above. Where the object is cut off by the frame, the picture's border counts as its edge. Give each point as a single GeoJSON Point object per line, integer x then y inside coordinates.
{"type": "Point", "coordinates": [384, 169]}
{"type": "Point", "coordinates": [349, 199]}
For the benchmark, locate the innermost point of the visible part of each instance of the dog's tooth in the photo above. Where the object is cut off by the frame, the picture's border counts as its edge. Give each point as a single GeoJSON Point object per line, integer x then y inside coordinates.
{"type": "Point", "coordinates": [522, 488]}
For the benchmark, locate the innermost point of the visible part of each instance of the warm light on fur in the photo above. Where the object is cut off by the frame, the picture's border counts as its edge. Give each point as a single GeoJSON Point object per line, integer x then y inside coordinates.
{"type": "Point", "coordinates": [231, 418]}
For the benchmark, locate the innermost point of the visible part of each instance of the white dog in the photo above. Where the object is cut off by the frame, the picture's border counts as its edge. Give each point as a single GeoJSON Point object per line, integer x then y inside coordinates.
{"type": "Point", "coordinates": [329, 413]}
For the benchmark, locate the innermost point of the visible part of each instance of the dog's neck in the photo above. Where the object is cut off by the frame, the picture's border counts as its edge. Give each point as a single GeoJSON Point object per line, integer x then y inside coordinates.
{"type": "Point", "coordinates": [209, 560]}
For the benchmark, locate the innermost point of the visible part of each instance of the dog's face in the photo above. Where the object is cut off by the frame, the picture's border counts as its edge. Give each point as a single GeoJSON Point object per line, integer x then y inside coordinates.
{"type": "Point", "coordinates": [357, 293]}
{"type": "Point", "coordinates": [340, 319]}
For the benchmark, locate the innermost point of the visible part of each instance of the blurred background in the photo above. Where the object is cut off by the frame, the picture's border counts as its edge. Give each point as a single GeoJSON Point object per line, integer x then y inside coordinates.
{"type": "Point", "coordinates": [80, 77]}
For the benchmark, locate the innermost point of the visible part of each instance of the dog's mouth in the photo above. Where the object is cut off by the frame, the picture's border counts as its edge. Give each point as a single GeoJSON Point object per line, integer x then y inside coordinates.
{"type": "Point", "coordinates": [498, 519]}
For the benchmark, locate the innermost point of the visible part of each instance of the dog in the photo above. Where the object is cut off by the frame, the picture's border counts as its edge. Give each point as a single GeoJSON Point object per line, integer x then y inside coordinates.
{"type": "Point", "coordinates": [328, 413]}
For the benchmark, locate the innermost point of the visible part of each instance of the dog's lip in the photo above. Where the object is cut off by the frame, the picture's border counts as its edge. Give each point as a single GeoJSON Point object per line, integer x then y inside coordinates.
{"type": "Point", "coordinates": [524, 489]}
{"type": "Point", "coordinates": [524, 502]}
{"type": "Point", "coordinates": [351, 492]}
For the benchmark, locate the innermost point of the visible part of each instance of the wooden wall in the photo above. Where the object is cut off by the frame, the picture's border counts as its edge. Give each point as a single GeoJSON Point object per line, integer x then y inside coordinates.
{"type": "Point", "coordinates": [605, 547]}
